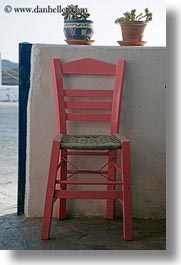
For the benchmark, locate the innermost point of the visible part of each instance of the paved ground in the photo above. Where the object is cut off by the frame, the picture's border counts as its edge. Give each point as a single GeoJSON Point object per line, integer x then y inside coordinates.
{"type": "Point", "coordinates": [85, 233]}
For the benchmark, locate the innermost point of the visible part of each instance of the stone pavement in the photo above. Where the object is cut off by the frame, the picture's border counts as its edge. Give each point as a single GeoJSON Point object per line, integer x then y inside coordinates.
{"type": "Point", "coordinates": [83, 233]}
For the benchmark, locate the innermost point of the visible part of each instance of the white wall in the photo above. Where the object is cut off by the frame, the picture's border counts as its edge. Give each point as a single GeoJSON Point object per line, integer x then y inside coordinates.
{"type": "Point", "coordinates": [143, 121]}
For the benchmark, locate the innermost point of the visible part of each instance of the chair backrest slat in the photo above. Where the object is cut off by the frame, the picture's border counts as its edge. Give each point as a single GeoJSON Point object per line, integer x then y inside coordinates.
{"type": "Point", "coordinates": [87, 105]}
{"type": "Point", "coordinates": [88, 66]}
{"type": "Point", "coordinates": [87, 93]}
{"type": "Point", "coordinates": [88, 117]}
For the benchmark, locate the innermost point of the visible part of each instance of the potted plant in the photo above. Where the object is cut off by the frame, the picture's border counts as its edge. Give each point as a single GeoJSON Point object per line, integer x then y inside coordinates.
{"type": "Point", "coordinates": [133, 26]}
{"type": "Point", "coordinates": [76, 26]}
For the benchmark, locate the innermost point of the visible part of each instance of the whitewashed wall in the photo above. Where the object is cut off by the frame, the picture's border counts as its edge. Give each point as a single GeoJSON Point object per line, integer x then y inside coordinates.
{"type": "Point", "coordinates": [143, 121]}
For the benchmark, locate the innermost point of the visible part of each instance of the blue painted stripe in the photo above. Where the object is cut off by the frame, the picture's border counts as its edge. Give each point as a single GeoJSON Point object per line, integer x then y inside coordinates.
{"type": "Point", "coordinates": [24, 85]}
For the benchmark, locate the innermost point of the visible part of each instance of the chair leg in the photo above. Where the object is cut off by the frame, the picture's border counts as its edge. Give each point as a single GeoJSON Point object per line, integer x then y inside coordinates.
{"type": "Point", "coordinates": [49, 200]}
{"type": "Point", "coordinates": [127, 197]}
{"type": "Point", "coordinates": [110, 211]}
{"type": "Point", "coordinates": [61, 207]}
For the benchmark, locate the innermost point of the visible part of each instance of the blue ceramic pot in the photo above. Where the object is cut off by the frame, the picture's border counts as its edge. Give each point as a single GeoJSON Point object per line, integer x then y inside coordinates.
{"type": "Point", "coordinates": [78, 29]}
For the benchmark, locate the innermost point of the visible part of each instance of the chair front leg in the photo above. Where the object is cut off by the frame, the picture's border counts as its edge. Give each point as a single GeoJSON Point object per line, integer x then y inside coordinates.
{"type": "Point", "coordinates": [49, 200]}
{"type": "Point", "coordinates": [127, 196]}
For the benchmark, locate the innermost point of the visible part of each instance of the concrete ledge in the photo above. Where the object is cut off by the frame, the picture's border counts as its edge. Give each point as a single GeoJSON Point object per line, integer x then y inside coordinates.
{"type": "Point", "coordinates": [142, 119]}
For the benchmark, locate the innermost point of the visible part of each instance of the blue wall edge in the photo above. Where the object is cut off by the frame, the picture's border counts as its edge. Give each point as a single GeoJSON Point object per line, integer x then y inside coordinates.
{"type": "Point", "coordinates": [24, 86]}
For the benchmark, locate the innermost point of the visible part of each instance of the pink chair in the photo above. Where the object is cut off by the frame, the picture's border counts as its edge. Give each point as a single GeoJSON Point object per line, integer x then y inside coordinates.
{"type": "Point", "coordinates": [65, 145]}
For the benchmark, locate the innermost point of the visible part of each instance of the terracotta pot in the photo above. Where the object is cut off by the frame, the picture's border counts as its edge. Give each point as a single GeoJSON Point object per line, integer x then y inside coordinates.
{"type": "Point", "coordinates": [132, 30]}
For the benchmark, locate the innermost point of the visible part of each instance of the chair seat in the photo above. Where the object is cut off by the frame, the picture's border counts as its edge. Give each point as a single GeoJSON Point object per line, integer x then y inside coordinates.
{"type": "Point", "coordinates": [90, 142]}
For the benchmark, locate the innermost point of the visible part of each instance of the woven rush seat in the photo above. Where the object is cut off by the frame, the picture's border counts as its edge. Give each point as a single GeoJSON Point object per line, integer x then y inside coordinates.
{"type": "Point", "coordinates": [90, 142]}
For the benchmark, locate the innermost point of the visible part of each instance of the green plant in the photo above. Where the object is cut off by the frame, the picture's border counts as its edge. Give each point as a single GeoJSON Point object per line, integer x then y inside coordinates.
{"type": "Point", "coordinates": [132, 16]}
{"type": "Point", "coordinates": [74, 12]}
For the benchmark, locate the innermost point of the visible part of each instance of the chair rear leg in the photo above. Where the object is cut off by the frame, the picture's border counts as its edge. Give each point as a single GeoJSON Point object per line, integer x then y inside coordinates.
{"type": "Point", "coordinates": [61, 207]}
{"type": "Point", "coordinates": [110, 211]}
{"type": "Point", "coordinates": [49, 200]}
{"type": "Point", "coordinates": [127, 196]}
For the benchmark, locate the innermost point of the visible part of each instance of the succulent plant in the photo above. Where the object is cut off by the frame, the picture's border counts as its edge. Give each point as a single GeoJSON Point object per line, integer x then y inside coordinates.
{"type": "Point", "coordinates": [74, 12]}
{"type": "Point", "coordinates": [132, 16]}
